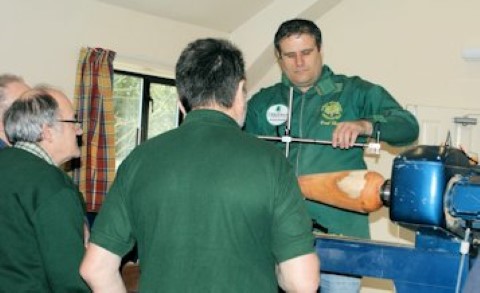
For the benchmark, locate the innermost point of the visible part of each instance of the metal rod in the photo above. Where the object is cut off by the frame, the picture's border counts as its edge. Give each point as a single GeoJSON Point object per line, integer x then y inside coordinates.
{"type": "Point", "coordinates": [289, 123]}
{"type": "Point", "coordinates": [464, 250]}
{"type": "Point", "coordinates": [306, 140]}
{"type": "Point", "coordinates": [290, 103]}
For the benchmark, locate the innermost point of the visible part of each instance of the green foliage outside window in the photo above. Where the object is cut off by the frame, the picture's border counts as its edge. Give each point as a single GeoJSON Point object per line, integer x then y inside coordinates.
{"type": "Point", "coordinates": [163, 115]}
{"type": "Point", "coordinates": [161, 112]}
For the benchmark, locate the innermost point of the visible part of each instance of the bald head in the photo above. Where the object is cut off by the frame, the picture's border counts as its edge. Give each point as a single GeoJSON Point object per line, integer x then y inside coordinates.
{"type": "Point", "coordinates": [11, 87]}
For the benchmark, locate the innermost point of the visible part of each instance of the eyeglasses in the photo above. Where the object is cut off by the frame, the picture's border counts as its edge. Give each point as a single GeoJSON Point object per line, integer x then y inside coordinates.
{"type": "Point", "coordinates": [78, 124]}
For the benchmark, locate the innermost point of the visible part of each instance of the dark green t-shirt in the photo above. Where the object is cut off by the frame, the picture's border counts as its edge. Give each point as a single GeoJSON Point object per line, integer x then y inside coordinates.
{"type": "Point", "coordinates": [41, 226]}
{"type": "Point", "coordinates": [315, 114]}
{"type": "Point", "coordinates": [212, 208]}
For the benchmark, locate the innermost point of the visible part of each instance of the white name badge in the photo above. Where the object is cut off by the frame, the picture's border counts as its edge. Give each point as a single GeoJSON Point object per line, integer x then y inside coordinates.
{"type": "Point", "coordinates": [277, 114]}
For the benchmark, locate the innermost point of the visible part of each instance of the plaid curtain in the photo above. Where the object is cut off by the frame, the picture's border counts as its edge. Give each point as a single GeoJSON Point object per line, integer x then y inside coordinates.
{"type": "Point", "coordinates": [94, 107]}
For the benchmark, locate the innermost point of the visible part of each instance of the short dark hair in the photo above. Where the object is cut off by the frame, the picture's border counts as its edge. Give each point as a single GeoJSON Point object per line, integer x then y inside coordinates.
{"type": "Point", "coordinates": [25, 118]}
{"type": "Point", "coordinates": [209, 71]}
{"type": "Point", "coordinates": [297, 26]}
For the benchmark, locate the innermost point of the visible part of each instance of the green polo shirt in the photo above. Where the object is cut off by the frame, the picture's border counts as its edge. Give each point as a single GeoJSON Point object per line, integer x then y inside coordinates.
{"type": "Point", "coordinates": [212, 208]}
{"type": "Point", "coordinates": [315, 114]}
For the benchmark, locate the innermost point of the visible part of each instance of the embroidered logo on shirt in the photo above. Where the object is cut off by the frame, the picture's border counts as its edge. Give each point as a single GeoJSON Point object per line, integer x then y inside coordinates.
{"type": "Point", "coordinates": [277, 114]}
{"type": "Point", "coordinates": [331, 111]}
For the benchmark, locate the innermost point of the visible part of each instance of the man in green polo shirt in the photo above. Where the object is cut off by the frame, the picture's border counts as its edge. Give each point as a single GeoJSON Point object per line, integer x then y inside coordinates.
{"type": "Point", "coordinates": [41, 210]}
{"type": "Point", "coordinates": [329, 107]}
{"type": "Point", "coordinates": [212, 208]}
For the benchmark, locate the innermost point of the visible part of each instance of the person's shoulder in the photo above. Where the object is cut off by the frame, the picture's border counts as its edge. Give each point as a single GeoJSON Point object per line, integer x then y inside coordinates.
{"type": "Point", "coordinates": [260, 147]}
{"type": "Point", "coordinates": [364, 87]}
{"type": "Point", "coordinates": [142, 153]}
{"type": "Point", "coordinates": [30, 162]}
{"type": "Point", "coordinates": [152, 144]}
{"type": "Point", "coordinates": [55, 178]}
{"type": "Point", "coordinates": [354, 80]}
{"type": "Point", "coordinates": [274, 87]}
{"type": "Point", "coordinates": [46, 177]}
{"type": "Point", "coordinates": [266, 93]}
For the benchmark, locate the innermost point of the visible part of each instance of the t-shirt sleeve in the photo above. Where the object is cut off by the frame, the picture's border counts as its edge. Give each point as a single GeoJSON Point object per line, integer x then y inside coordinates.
{"type": "Point", "coordinates": [292, 226]}
{"type": "Point", "coordinates": [112, 228]}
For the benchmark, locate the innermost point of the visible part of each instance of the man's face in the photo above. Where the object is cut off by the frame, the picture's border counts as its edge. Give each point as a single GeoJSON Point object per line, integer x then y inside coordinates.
{"type": "Point", "coordinates": [65, 132]}
{"type": "Point", "coordinates": [300, 60]}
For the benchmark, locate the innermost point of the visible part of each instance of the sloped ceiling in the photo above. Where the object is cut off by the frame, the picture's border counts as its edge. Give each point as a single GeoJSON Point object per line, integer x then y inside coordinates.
{"type": "Point", "coordinates": [220, 15]}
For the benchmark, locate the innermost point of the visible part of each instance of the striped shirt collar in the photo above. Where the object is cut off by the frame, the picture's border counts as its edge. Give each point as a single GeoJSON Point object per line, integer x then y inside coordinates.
{"type": "Point", "coordinates": [34, 149]}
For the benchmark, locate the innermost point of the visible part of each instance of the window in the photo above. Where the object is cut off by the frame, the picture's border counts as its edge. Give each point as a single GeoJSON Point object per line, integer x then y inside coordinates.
{"type": "Point", "coordinates": [145, 106]}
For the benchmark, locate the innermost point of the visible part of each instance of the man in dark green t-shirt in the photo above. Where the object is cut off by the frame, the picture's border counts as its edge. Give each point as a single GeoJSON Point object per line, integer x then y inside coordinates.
{"type": "Point", "coordinates": [41, 210]}
{"type": "Point", "coordinates": [328, 107]}
{"type": "Point", "coordinates": [211, 208]}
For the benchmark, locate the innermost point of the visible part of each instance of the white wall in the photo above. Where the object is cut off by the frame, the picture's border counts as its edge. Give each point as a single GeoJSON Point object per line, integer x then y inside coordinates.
{"type": "Point", "coordinates": [41, 40]}
{"type": "Point", "coordinates": [413, 47]}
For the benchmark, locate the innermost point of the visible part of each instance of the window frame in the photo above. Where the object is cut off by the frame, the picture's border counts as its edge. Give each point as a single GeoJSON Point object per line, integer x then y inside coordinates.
{"type": "Point", "coordinates": [147, 99]}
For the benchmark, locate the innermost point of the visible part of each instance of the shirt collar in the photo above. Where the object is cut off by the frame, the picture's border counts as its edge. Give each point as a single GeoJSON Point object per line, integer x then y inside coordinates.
{"type": "Point", "coordinates": [210, 116]}
{"type": "Point", "coordinates": [35, 149]}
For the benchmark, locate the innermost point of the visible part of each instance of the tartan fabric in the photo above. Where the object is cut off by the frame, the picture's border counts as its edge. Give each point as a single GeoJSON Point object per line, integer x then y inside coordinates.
{"type": "Point", "coordinates": [94, 107]}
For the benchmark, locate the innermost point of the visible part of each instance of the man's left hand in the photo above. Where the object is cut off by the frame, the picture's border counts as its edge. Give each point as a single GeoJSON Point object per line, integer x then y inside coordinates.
{"type": "Point", "coordinates": [346, 133]}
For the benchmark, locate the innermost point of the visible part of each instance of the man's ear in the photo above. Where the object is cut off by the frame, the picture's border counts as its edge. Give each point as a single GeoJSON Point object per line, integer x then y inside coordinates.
{"type": "Point", "coordinates": [278, 59]}
{"type": "Point", "coordinates": [47, 133]}
{"type": "Point", "coordinates": [241, 95]}
{"type": "Point", "coordinates": [278, 55]}
{"type": "Point", "coordinates": [242, 89]}
{"type": "Point", "coordinates": [181, 108]}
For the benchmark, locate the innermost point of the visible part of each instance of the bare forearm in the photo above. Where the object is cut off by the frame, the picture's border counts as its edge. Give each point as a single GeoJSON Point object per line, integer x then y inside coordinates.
{"type": "Point", "coordinates": [106, 283]}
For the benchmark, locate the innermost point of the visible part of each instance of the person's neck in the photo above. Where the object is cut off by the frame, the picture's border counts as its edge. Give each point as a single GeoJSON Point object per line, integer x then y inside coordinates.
{"type": "Point", "coordinates": [227, 111]}
{"type": "Point", "coordinates": [49, 149]}
{"type": "Point", "coordinates": [304, 89]}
